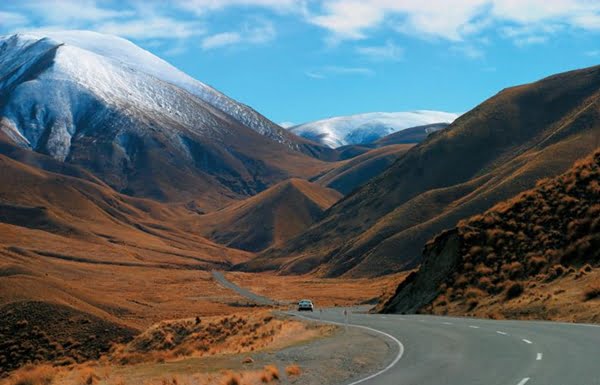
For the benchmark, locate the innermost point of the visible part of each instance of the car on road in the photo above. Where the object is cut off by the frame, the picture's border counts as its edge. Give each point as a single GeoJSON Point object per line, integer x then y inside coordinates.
{"type": "Point", "coordinates": [305, 305]}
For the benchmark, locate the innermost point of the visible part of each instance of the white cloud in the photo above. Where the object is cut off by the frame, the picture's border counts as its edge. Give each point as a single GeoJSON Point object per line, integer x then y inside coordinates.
{"type": "Point", "coordinates": [12, 19]}
{"type": "Point", "coordinates": [388, 51]}
{"type": "Point", "coordinates": [324, 72]}
{"type": "Point", "coordinates": [201, 7]}
{"type": "Point", "coordinates": [454, 20]}
{"type": "Point", "coordinates": [256, 31]}
{"type": "Point", "coordinates": [73, 11]}
{"type": "Point", "coordinates": [220, 40]}
{"type": "Point", "coordinates": [152, 28]}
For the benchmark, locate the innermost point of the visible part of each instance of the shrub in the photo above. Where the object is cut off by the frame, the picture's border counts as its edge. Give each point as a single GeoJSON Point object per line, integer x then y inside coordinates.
{"type": "Point", "coordinates": [231, 378]}
{"type": "Point", "coordinates": [293, 370]}
{"type": "Point", "coordinates": [272, 371]}
{"type": "Point", "coordinates": [514, 290]}
{"type": "Point", "coordinates": [34, 375]}
{"type": "Point", "coordinates": [537, 262]}
{"type": "Point", "coordinates": [592, 292]}
{"type": "Point", "coordinates": [473, 292]}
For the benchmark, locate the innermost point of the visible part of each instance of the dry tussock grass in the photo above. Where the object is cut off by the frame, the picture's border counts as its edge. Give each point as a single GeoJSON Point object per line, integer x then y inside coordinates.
{"type": "Point", "coordinates": [90, 375]}
{"type": "Point", "coordinates": [293, 370]}
{"type": "Point", "coordinates": [542, 235]}
{"type": "Point", "coordinates": [33, 375]}
{"type": "Point", "coordinates": [172, 340]}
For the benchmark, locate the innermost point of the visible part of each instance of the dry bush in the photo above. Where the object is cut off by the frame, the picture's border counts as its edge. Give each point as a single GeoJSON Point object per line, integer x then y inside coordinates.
{"type": "Point", "coordinates": [231, 378]}
{"type": "Point", "coordinates": [33, 375]}
{"type": "Point", "coordinates": [474, 293]}
{"type": "Point", "coordinates": [514, 289]}
{"type": "Point", "coordinates": [270, 373]}
{"type": "Point", "coordinates": [88, 376]}
{"type": "Point", "coordinates": [293, 370]}
{"type": "Point", "coordinates": [592, 292]}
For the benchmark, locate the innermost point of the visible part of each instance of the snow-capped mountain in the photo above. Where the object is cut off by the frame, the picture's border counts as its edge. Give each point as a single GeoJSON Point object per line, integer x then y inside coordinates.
{"type": "Point", "coordinates": [366, 128]}
{"type": "Point", "coordinates": [103, 103]}
{"type": "Point", "coordinates": [86, 53]}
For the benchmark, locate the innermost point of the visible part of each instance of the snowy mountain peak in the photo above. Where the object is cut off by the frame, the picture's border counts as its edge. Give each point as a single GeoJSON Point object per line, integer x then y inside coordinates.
{"type": "Point", "coordinates": [94, 51]}
{"type": "Point", "coordinates": [366, 128]}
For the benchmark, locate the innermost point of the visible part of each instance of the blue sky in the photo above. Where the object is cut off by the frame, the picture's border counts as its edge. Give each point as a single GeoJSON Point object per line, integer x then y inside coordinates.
{"type": "Point", "coordinates": [302, 60]}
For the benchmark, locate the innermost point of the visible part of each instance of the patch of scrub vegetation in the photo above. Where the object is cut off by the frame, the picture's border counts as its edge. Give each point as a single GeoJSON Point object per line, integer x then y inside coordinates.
{"type": "Point", "coordinates": [540, 237]}
{"type": "Point", "coordinates": [210, 336]}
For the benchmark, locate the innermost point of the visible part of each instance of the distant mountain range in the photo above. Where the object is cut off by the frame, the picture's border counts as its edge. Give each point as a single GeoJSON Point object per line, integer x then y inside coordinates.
{"type": "Point", "coordinates": [498, 149]}
{"type": "Point", "coordinates": [367, 128]}
{"type": "Point", "coordinates": [138, 123]}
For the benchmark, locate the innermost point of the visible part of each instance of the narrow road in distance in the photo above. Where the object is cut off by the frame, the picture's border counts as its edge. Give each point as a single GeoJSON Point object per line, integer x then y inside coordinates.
{"type": "Point", "coordinates": [467, 351]}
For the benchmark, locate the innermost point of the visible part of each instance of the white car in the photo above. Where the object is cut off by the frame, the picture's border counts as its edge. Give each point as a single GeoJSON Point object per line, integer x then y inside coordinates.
{"type": "Point", "coordinates": [305, 305]}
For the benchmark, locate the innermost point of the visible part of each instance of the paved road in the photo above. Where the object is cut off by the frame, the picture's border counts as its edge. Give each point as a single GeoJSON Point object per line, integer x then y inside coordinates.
{"type": "Point", "coordinates": [466, 351]}
{"type": "Point", "coordinates": [258, 299]}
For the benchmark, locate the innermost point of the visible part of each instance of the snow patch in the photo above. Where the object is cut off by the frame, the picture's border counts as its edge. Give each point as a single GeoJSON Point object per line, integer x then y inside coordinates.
{"type": "Point", "coordinates": [365, 128]}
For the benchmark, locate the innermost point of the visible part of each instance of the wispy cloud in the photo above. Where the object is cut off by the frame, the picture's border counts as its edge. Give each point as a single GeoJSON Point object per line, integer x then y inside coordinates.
{"type": "Point", "coordinates": [327, 71]}
{"type": "Point", "coordinates": [11, 19]}
{"type": "Point", "coordinates": [256, 31]}
{"type": "Point", "coordinates": [152, 28]}
{"type": "Point", "coordinates": [455, 21]}
{"type": "Point", "coordinates": [220, 40]}
{"type": "Point", "coordinates": [593, 53]}
{"type": "Point", "coordinates": [388, 51]}
{"type": "Point", "coordinates": [468, 50]}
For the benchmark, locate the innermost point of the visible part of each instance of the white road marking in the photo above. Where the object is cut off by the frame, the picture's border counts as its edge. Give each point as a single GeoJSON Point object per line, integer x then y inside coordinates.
{"type": "Point", "coordinates": [447, 323]}
{"type": "Point", "coordinates": [384, 317]}
{"type": "Point", "coordinates": [391, 365]}
{"type": "Point", "coordinates": [474, 327]}
{"type": "Point", "coordinates": [503, 333]}
{"type": "Point", "coordinates": [526, 341]}
{"type": "Point", "coordinates": [539, 357]}
{"type": "Point", "coordinates": [402, 319]}
{"type": "Point", "coordinates": [523, 381]}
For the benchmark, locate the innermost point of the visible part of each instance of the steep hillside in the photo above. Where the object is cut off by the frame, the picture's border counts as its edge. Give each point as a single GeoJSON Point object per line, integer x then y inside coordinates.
{"type": "Point", "coordinates": [76, 219]}
{"type": "Point", "coordinates": [139, 124]}
{"type": "Point", "coordinates": [410, 135]}
{"type": "Point", "coordinates": [270, 217]}
{"type": "Point", "coordinates": [367, 128]}
{"type": "Point", "coordinates": [536, 255]}
{"type": "Point", "coordinates": [491, 153]}
{"type": "Point", "coordinates": [358, 170]}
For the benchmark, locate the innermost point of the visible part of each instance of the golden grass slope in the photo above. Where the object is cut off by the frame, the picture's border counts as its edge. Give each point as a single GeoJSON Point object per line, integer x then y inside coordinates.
{"type": "Point", "coordinates": [270, 217]}
{"type": "Point", "coordinates": [498, 149]}
{"type": "Point", "coordinates": [533, 256]}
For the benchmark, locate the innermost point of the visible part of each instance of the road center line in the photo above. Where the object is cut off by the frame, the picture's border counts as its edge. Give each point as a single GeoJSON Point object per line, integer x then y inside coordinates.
{"type": "Point", "coordinates": [523, 381]}
{"type": "Point", "coordinates": [474, 327]}
{"type": "Point", "coordinates": [503, 333]}
{"type": "Point", "coordinates": [526, 341]}
{"type": "Point", "coordinates": [539, 357]}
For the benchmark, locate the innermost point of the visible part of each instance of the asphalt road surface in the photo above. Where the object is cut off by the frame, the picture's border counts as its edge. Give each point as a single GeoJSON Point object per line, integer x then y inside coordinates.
{"type": "Point", "coordinates": [434, 350]}
{"type": "Point", "coordinates": [258, 299]}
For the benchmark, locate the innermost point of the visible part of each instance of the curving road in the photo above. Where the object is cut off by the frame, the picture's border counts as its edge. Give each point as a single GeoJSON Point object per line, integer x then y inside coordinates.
{"type": "Point", "coordinates": [466, 351]}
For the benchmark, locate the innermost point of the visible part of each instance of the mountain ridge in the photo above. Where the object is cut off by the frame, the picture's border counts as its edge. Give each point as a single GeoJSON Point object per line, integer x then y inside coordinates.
{"type": "Point", "coordinates": [491, 153]}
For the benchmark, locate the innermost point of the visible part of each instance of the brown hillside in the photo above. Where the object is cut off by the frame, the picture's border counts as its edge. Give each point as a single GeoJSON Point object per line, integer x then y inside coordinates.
{"type": "Point", "coordinates": [270, 217]}
{"type": "Point", "coordinates": [489, 154]}
{"type": "Point", "coordinates": [357, 171]}
{"type": "Point", "coordinates": [535, 256]}
{"type": "Point", "coordinates": [75, 242]}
